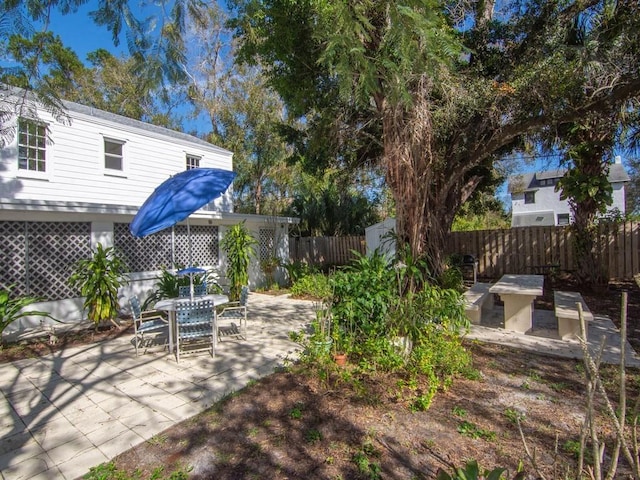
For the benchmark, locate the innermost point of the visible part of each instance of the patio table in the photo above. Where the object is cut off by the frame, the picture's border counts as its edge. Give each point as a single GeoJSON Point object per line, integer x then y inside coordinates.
{"type": "Point", "coordinates": [169, 305]}
{"type": "Point", "coordinates": [518, 292]}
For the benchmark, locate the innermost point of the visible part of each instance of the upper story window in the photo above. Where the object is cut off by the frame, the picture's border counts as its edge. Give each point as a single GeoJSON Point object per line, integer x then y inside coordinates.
{"type": "Point", "coordinates": [563, 219]}
{"type": "Point", "coordinates": [113, 154]}
{"type": "Point", "coordinates": [32, 146]}
{"type": "Point", "coordinates": [547, 182]}
{"type": "Point", "coordinates": [192, 162]}
{"type": "Point", "coordinates": [529, 197]}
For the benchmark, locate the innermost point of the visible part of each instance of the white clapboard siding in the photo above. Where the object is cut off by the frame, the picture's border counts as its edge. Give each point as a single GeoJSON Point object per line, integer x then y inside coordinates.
{"type": "Point", "coordinates": [75, 162]}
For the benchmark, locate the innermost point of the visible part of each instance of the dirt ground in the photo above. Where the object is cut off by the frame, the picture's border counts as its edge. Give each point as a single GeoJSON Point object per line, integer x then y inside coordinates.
{"type": "Point", "coordinates": [293, 426]}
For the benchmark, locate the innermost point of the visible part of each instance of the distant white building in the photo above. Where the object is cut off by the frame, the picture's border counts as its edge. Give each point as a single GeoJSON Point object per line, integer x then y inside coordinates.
{"type": "Point", "coordinates": [535, 201]}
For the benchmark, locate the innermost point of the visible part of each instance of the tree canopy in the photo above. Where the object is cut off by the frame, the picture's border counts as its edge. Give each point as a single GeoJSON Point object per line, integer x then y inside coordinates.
{"type": "Point", "coordinates": [438, 91]}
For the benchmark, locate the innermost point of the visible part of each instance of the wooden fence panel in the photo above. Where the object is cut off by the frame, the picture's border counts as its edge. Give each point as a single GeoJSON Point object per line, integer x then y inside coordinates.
{"type": "Point", "coordinates": [326, 250]}
{"type": "Point", "coordinates": [515, 250]}
{"type": "Point", "coordinates": [519, 250]}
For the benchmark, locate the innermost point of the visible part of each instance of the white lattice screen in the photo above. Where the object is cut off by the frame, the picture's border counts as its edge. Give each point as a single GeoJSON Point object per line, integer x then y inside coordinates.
{"type": "Point", "coordinates": [266, 239]}
{"type": "Point", "coordinates": [154, 252]}
{"type": "Point", "coordinates": [38, 257]}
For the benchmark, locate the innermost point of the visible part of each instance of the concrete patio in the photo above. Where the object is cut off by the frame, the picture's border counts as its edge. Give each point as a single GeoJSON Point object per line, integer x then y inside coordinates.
{"type": "Point", "coordinates": [64, 413]}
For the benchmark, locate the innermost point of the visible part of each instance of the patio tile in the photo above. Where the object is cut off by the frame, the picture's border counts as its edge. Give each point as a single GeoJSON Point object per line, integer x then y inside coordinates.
{"type": "Point", "coordinates": [55, 433]}
{"type": "Point", "coordinates": [76, 466]}
{"type": "Point", "coordinates": [29, 468]}
{"type": "Point", "coordinates": [126, 440]}
{"type": "Point", "coordinates": [22, 447]}
{"type": "Point", "coordinates": [65, 452]}
{"type": "Point", "coordinates": [106, 432]}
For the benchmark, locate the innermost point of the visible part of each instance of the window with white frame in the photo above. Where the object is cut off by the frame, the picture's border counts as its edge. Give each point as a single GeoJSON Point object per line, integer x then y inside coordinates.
{"type": "Point", "coordinates": [32, 146]}
{"type": "Point", "coordinates": [563, 219]}
{"type": "Point", "coordinates": [193, 161]}
{"type": "Point", "coordinates": [114, 154]}
{"type": "Point", "coordinates": [529, 197]}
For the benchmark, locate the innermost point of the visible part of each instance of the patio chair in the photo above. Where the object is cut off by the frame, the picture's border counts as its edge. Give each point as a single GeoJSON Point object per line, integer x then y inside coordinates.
{"type": "Point", "coordinates": [198, 290]}
{"type": "Point", "coordinates": [231, 313]}
{"type": "Point", "coordinates": [145, 321]}
{"type": "Point", "coordinates": [195, 327]}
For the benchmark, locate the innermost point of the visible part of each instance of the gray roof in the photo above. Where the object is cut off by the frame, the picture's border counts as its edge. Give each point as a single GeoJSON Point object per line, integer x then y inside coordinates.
{"type": "Point", "coordinates": [529, 181]}
{"type": "Point", "coordinates": [14, 93]}
{"type": "Point", "coordinates": [131, 123]}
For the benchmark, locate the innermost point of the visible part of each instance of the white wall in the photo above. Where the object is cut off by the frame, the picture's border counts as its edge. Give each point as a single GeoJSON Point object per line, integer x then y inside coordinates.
{"type": "Point", "coordinates": [75, 164]}
{"type": "Point", "coordinates": [547, 199]}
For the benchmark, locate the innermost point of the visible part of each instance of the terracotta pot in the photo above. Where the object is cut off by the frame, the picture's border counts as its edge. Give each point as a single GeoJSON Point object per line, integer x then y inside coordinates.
{"type": "Point", "coordinates": [340, 359]}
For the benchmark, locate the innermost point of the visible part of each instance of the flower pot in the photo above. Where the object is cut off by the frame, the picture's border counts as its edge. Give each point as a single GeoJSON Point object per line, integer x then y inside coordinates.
{"type": "Point", "coordinates": [340, 359]}
{"type": "Point", "coordinates": [321, 347]}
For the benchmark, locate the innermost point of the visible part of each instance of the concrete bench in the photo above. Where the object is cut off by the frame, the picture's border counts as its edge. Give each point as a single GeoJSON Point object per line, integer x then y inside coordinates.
{"type": "Point", "coordinates": [566, 311]}
{"type": "Point", "coordinates": [477, 299]}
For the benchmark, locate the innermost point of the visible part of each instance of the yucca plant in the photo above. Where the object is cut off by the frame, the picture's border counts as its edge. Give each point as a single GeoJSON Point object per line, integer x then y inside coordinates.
{"type": "Point", "coordinates": [238, 244]}
{"type": "Point", "coordinates": [98, 279]}
{"type": "Point", "coordinates": [12, 309]}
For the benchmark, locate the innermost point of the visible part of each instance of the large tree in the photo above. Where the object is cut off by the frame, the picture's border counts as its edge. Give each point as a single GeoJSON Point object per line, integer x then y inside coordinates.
{"type": "Point", "coordinates": [450, 87]}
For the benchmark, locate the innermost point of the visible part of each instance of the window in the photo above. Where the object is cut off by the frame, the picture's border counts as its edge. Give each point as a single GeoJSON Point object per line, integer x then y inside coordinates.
{"type": "Point", "coordinates": [192, 162]}
{"type": "Point", "coordinates": [529, 197]}
{"type": "Point", "coordinates": [32, 146]}
{"type": "Point", "coordinates": [563, 219]}
{"type": "Point", "coordinates": [113, 156]}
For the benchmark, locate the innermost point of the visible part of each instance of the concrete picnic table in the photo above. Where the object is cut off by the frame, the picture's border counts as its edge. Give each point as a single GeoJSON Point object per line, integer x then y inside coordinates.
{"type": "Point", "coordinates": [517, 293]}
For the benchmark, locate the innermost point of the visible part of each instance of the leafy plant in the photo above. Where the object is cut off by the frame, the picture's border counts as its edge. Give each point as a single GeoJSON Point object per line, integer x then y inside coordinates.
{"type": "Point", "coordinates": [298, 269]}
{"type": "Point", "coordinates": [315, 285]}
{"type": "Point", "coordinates": [12, 309]}
{"type": "Point", "coordinates": [98, 279]}
{"type": "Point", "coordinates": [472, 471]}
{"type": "Point", "coordinates": [238, 244]}
{"type": "Point", "coordinates": [268, 267]}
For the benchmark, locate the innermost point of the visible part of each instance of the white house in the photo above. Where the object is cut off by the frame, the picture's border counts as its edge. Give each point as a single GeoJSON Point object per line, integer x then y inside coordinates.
{"type": "Point", "coordinates": [535, 201]}
{"type": "Point", "coordinates": [66, 186]}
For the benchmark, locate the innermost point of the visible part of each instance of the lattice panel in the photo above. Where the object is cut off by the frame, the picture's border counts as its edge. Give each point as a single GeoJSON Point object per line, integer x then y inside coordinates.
{"type": "Point", "coordinates": [204, 245]}
{"type": "Point", "coordinates": [53, 248]}
{"type": "Point", "coordinates": [267, 243]}
{"type": "Point", "coordinates": [13, 267]}
{"type": "Point", "coordinates": [143, 254]}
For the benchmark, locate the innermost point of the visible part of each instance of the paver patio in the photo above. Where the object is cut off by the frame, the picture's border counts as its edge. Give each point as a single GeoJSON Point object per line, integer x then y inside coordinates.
{"type": "Point", "coordinates": [63, 413]}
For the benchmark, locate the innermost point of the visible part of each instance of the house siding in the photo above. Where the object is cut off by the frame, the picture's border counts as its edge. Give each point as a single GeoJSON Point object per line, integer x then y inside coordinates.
{"type": "Point", "coordinates": [76, 173]}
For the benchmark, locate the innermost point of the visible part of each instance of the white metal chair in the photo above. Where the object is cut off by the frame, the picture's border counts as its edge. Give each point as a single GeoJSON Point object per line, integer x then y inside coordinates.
{"type": "Point", "coordinates": [195, 327]}
{"type": "Point", "coordinates": [231, 313]}
{"type": "Point", "coordinates": [145, 321]}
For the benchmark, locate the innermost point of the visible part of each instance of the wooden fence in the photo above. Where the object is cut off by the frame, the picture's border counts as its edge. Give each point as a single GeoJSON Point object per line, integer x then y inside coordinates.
{"type": "Point", "coordinates": [515, 250]}
{"type": "Point", "coordinates": [325, 250]}
{"type": "Point", "coordinates": [521, 250]}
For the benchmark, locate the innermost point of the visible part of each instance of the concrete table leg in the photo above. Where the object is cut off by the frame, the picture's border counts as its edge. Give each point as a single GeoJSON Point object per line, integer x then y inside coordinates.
{"type": "Point", "coordinates": [518, 311]}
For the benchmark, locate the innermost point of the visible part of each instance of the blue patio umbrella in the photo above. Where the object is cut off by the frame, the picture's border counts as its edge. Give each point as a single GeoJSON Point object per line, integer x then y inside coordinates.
{"type": "Point", "coordinates": [178, 197]}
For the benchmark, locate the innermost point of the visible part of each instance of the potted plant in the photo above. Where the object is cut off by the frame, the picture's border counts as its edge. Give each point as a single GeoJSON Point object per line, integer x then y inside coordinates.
{"type": "Point", "coordinates": [98, 279]}
{"type": "Point", "coordinates": [321, 339]}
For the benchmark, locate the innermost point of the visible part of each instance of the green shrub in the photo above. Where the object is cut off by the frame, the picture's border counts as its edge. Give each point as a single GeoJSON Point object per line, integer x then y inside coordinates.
{"type": "Point", "coordinates": [298, 269]}
{"type": "Point", "coordinates": [315, 285]}
{"type": "Point", "coordinates": [98, 279]}
{"type": "Point", "coordinates": [11, 309]}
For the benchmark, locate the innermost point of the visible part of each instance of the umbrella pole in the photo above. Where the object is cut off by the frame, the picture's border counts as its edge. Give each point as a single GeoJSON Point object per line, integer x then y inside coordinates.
{"type": "Point", "coordinates": [190, 260]}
